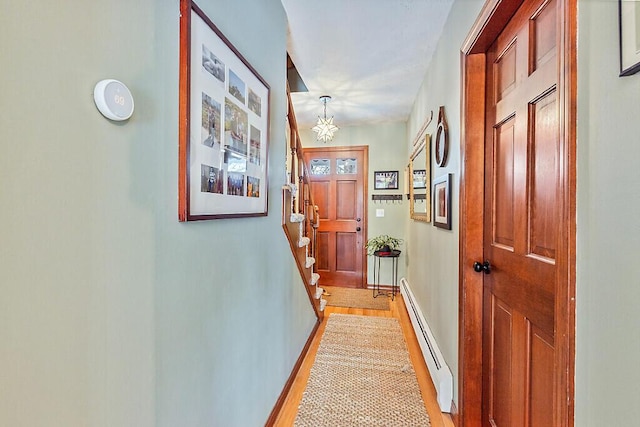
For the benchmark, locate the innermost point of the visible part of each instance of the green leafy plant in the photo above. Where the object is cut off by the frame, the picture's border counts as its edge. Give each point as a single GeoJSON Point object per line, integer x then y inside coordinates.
{"type": "Point", "coordinates": [381, 243]}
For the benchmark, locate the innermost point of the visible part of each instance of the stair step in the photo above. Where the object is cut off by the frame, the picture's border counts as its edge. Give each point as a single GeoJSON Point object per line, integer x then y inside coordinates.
{"type": "Point", "coordinates": [319, 292]}
{"type": "Point", "coordinates": [323, 304]}
{"type": "Point", "coordinates": [304, 241]}
{"type": "Point", "coordinates": [296, 217]}
{"type": "Point", "coordinates": [310, 261]}
{"type": "Point", "coordinates": [314, 278]}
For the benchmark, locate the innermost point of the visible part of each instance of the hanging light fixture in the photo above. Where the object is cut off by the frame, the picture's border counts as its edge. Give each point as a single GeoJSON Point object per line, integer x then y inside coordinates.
{"type": "Point", "coordinates": [325, 127]}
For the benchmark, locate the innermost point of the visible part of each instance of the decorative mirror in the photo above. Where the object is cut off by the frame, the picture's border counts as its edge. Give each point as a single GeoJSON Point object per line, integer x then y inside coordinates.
{"type": "Point", "coordinates": [442, 139]}
{"type": "Point", "coordinates": [420, 181]}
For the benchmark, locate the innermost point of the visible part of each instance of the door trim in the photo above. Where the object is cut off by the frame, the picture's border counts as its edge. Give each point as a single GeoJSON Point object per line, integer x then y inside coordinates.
{"type": "Point", "coordinates": [492, 19]}
{"type": "Point", "coordinates": [365, 197]}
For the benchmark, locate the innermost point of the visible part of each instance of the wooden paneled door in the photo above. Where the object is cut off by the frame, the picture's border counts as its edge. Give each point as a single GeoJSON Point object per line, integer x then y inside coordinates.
{"type": "Point", "coordinates": [338, 178]}
{"type": "Point", "coordinates": [521, 224]}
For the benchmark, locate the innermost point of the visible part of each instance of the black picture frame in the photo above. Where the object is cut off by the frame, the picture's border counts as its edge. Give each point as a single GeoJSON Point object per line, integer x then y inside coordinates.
{"type": "Point", "coordinates": [385, 180]}
{"type": "Point", "coordinates": [629, 29]}
{"type": "Point", "coordinates": [442, 202]}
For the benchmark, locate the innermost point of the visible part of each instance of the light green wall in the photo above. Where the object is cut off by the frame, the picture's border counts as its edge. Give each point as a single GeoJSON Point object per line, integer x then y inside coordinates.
{"type": "Point", "coordinates": [433, 252]}
{"type": "Point", "coordinates": [113, 313]}
{"type": "Point", "coordinates": [608, 284]}
{"type": "Point", "coordinates": [386, 152]}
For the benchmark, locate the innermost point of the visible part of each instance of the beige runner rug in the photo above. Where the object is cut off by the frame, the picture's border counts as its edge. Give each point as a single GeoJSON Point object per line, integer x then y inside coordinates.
{"type": "Point", "coordinates": [362, 376]}
{"type": "Point", "coordinates": [355, 298]}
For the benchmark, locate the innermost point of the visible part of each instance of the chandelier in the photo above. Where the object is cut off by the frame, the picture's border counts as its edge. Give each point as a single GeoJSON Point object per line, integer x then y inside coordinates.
{"type": "Point", "coordinates": [325, 127]}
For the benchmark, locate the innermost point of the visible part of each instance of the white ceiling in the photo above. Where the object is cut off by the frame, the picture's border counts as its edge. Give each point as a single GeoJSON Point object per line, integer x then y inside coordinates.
{"type": "Point", "coordinates": [370, 56]}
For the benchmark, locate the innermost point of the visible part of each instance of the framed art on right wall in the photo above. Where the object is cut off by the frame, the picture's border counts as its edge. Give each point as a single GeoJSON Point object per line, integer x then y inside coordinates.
{"type": "Point", "coordinates": [629, 21]}
{"type": "Point", "coordinates": [442, 202]}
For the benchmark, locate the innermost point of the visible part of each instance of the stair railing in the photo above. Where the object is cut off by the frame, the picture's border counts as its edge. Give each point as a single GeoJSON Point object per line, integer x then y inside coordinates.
{"type": "Point", "coordinates": [300, 218]}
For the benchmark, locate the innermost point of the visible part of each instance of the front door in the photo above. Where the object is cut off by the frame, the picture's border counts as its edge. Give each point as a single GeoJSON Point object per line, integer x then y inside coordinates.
{"type": "Point", "coordinates": [338, 182]}
{"type": "Point", "coordinates": [522, 224]}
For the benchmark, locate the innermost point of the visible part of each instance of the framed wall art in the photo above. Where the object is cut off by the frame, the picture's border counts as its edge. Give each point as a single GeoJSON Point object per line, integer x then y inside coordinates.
{"type": "Point", "coordinates": [385, 180]}
{"type": "Point", "coordinates": [629, 21]}
{"type": "Point", "coordinates": [442, 202]}
{"type": "Point", "coordinates": [419, 179]}
{"type": "Point", "coordinates": [224, 125]}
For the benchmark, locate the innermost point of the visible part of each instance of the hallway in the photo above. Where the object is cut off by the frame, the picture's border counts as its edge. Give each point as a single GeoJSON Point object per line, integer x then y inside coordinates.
{"type": "Point", "coordinates": [397, 310]}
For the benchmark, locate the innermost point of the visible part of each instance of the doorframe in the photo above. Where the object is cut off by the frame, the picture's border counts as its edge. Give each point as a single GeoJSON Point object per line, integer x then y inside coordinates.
{"type": "Point", "coordinates": [364, 284]}
{"type": "Point", "coordinates": [493, 17]}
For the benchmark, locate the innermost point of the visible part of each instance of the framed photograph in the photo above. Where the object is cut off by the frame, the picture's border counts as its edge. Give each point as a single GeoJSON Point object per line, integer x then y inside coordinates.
{"type": "Point", "coordinates": [419, 179]}
{"type": "Point", "coordinates": [386, 180]}
{"type": "Point", "coordinates": [224, 125]}
{"type": "Point", "coordinates": [442, 202]}
{"type": "Point", "coordinates": [629, 19]}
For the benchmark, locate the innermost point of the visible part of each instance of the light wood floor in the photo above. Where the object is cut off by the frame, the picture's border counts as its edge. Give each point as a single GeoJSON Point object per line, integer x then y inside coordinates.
{"type": "Point", "coordinates": [397, 310]}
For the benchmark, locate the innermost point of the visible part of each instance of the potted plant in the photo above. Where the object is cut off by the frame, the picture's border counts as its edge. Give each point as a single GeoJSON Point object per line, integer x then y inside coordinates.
{"type": "Point", "coordinates": [383, 244]}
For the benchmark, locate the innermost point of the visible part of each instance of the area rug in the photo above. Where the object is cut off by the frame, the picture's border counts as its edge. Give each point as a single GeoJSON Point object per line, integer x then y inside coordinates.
{"type": "Point", "coordinates": [355, 298]}
{"type": "Point", "coordinates": [362, 376]}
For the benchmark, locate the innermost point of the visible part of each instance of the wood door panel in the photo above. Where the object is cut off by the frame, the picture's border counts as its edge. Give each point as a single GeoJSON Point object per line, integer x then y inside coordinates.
{"type": "Point", "coordinates": [504, 199]}
{"type": "Point", "coordinates": [501, 368]}
{"type": "Point", "coordinates": [321, 197]}
{"type": "Point", "coordinates": [541, 379]}
{"type": "Point", "coordinates": [521, 225]}
{"type": "Point", "coordinates": [543, 167]}
{"type": "Point", "coordinates": [346, 262]}
{"type": "Point", "coordinates": [322, 251]}
{"type": "Point", "coordinates": [346, 199]}
{"type": "Point", "coordinates": [543, 27]}
{"type": "Point", "coordinates": [505, 71]}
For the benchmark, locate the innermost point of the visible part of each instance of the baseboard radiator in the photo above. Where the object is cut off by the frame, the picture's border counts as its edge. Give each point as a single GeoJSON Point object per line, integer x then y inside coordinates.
{"type": "Point", "coordinates": [440, 372]}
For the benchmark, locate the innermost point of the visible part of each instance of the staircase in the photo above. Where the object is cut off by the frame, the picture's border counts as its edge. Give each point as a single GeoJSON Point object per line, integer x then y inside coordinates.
{"type": "Point", "coordinates": [300, 217]}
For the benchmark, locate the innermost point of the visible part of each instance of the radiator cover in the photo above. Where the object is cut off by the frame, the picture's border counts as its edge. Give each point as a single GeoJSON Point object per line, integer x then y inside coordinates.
{"type": "Point", "coordinates": [438, 369]}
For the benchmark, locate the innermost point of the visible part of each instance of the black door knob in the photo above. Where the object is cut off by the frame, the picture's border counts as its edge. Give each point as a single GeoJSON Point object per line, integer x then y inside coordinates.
{"type": "Point", "coordinates": [484, 267]}
{"type": "Point", "coordinates": [358, 228]}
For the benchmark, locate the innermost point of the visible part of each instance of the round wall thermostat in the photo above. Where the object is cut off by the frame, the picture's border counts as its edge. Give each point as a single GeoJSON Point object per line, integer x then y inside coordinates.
{"type": "Point", "coordinates": [113, 99]}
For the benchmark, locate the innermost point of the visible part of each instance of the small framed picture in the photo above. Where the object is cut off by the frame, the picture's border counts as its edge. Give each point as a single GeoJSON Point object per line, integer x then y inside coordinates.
{"type": "Point", "coordinates": [386, 180]}
{"type": "Point", "coordinates": [419, 179]}
{"type": "Point", "coordinates": [442, 202]}
{"type": "Point", "coordinates": [629, 16]}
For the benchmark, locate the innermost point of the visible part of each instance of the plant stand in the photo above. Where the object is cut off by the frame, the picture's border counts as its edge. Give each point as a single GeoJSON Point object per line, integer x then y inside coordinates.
{"type": "Point", "coordinates": [393, 256]}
